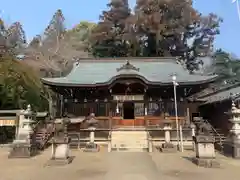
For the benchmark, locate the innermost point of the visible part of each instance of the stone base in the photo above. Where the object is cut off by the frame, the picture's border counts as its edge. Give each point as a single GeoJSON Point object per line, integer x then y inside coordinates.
{"type": "Point", "coordinates": [23, 150]}
{"type": "Point", "coordinates": [91, 147]}
{"type": "Point", "coordinates": [232, 150]}
{"type": "Point", "coordinates": [59, 161]}
{"type": "Point", "coordinates": [168, 148]}
{"type": "Point", "coordinates": [207, 163]}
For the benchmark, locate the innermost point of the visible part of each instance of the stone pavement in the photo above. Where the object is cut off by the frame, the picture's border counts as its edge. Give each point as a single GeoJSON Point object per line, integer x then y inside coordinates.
{"type": "Point", "coordinates": [130, 165]}
{"type": "Point", "coordinates": [124, 166]}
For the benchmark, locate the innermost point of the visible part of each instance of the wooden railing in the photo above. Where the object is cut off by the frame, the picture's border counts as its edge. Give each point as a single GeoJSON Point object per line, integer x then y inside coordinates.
{"type": "Point", "coordinates": [148, 121]}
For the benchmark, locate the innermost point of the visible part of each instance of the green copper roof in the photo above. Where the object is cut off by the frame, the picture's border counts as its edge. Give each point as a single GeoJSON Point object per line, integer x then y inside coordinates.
{"type": "Point", "coordinates": [222, 95]}
{"type": "Point", "coordinates": [105, 71]}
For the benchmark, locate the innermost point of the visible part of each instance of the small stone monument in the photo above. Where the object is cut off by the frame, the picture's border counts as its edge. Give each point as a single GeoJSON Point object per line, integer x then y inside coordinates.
{"type": "Point", "coordinates": [24, 146]}
{"type": "Point", "coordinates": [167, 146]}
{"type": "Point", "coordinates": [60, 147]}
{"type": "Point", "coordinates": [204, 147]}
{"type": "Point", "coordinates": [232, 144]}
{"type": "Point", "coordinates": [92, 124]}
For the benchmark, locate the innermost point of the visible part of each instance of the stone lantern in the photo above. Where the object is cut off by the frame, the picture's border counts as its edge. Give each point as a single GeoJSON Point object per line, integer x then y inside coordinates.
{"type": "Point", "coordinates": [92, 125]}
{"type": "Point", "coordinates": [60, 146]}
{"type": "Point", "coordinates": [24, 145]}
{"type": "Point", "coordinates": [232, 144]}
{"type": "Point", "coordinates": [204, 145]}
{"type": "Point", "coordinates": [167, 146]}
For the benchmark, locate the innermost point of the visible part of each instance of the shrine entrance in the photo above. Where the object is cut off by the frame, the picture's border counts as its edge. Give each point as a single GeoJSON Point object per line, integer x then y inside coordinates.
{"type": "Point", "coordinates": [128, 110]}
{"type": "Point", "coordinates": [128, 94]}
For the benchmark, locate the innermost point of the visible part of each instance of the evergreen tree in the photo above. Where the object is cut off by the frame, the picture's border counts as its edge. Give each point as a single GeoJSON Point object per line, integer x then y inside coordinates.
{"type": "Point", "coordinates": [54, 31]}
{"type": "Point", "coordinates": [107, 36]}
{"type": "Point", "coordinates": [79, 36]}
{"type": "Point", "coordinates": [158, 28]}
{"type": "Point", "coordinates": [56, 27]}
{"type": "Point", "coordinates": [226, 67]}
{"type": "Point", "coordinates": [175, 28]}
{"type": "Point", "coordinates": [16, 37]}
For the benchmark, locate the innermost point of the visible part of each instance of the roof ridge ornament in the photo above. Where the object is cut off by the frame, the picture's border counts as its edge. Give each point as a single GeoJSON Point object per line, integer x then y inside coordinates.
{"type": "Point", "coordinates": [128, 66]}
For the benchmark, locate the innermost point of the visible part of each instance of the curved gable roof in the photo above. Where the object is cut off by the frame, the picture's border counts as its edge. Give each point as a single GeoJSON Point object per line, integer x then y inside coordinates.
{"type": "Point", "coordinates": [103, 72]}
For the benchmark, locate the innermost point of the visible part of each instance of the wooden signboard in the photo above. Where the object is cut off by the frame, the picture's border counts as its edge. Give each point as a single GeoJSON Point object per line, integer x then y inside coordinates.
{"type": "Point", "coordinates": [128, 97]}
{"type": "Point", "coordinates": [7, 122]}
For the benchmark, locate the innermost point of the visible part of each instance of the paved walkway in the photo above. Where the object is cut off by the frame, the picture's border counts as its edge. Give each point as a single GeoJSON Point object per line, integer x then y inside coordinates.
{"type": "Point", "coordinates": [130, 165]}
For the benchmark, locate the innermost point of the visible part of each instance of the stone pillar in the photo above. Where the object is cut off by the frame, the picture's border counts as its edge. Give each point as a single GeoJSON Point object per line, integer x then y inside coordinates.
{"type": "Point", "coordinates": [193, 132]}
{"type": "Point", "coordinates": [167, 129]}
{"type": "Point", "coordinates": [232, 144]}
{"type": "Point", "coordinates": [92, 135]}
{"type": "Point", "coordinates": [24, 145]}
{"type": "Point", "coordinates": [92, 123]}
{"type": "Point", "coordinates": [167, 146]}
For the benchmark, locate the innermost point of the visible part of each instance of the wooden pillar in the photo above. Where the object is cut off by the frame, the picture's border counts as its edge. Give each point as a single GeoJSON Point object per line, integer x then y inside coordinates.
{"type": "Point", "coordinates": [61, 105]}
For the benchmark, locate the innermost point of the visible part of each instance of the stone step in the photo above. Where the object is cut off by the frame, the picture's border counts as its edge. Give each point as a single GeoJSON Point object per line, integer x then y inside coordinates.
{"type": "Point", "coordinates": [130, 149]}
{"type": "Point", "coordinates": [133, 134]}
{"type": "Point", "coordinates": [129, 145]}
{"type": "Point", "coordinates": [129, 132]}
{"type": "Point", "coordinates": [129, 136]}
{"type": "Point", "coordinates": [130, 141]}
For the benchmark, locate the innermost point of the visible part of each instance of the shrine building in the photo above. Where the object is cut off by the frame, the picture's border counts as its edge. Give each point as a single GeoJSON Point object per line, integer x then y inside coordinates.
{"type": "Point", "coordinates": [128, 91]}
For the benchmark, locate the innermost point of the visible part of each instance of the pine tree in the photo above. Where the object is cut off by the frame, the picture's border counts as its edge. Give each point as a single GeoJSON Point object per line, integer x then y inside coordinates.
{"type": "Point", "coordinates": [226, 67]}
{"type": "Point", "coordinates": [56, 27]}
{"type": "Point", "coordinates": [107, 36]}
{"type": "Point", "coordinates": [16, 37]}
{"type": "Point", "coordinates": [55, 31]}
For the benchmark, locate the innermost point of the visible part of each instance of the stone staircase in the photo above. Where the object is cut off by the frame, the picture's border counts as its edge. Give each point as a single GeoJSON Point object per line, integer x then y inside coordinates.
{"type": "Point", "coordinates": [43, 135]}
{"type": "Point", "coordinates": [75, 140]}
{"type": "Point", "coordinates": [129, 141]}
{"type": "Point", "coordinates": [220, 138]}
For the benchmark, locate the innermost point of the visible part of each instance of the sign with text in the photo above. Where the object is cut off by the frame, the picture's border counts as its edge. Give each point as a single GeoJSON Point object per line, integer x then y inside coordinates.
{"type": "Point", "coordinates": [7, 122]}
{"type": "Point", "coordinates": [128, 97]}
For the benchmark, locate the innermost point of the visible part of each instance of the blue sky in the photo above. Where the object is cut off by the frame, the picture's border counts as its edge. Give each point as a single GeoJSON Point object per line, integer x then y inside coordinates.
{"type": "Point", "coordinates": [35, 15]}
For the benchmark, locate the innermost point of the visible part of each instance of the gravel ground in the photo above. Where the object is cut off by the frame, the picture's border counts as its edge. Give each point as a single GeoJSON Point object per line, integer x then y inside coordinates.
{"type": "Point", "coordinates": [116, 165]}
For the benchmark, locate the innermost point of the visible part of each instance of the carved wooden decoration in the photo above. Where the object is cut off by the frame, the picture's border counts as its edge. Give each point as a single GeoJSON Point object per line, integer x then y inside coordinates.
{"type": "Point", "coordinates": [128, 66]}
